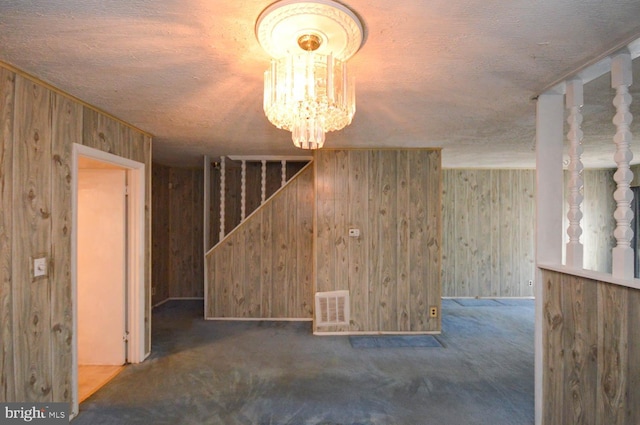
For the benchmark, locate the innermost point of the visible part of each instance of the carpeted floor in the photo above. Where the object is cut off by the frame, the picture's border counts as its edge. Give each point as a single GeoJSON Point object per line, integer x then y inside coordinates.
{"type": "Point", "coordinates": [277, 373]}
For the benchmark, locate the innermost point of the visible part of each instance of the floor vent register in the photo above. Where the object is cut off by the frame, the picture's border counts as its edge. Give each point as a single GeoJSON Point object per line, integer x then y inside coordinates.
{"type": "Point", "coordinates": [332, 308]}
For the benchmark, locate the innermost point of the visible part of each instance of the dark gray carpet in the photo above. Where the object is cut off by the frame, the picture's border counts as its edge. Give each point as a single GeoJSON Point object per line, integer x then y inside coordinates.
{"type": "Point", "coordinates": [394, 341]}
{"type": "Point", "coordinates": [448, 303]}
{"type": "Point", "coordinates": [206, 372]}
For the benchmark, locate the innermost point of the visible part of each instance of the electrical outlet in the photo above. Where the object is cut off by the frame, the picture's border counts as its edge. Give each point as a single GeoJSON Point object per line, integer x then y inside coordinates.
{"type": "Point", "coordinates": [433, 311]}
{"type": "Point", "coordinates": [531, 283]}
{"type": "Point", "coordinates": [354, 233]}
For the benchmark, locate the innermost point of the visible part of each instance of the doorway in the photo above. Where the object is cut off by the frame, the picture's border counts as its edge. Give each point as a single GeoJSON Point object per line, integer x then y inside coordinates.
{"type": "Point", "coordinates": [108, 270]}
{"type": "Point", "coordinates": [102, 274]}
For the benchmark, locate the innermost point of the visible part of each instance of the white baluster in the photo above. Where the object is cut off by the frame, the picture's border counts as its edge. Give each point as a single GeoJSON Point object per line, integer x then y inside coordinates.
{"type": "Point", "coordinates": [263, 195]}
{"type": "Point", "coordinates": [621, 79]}
{"type": "Point", "coordinates": [574, 101]}
{"type": "Point", "coordinates": [243, 190]}
{"type": "Point", "coordinates": [284, 172]}
{"type": "Point", "coordinates": [222, 190]}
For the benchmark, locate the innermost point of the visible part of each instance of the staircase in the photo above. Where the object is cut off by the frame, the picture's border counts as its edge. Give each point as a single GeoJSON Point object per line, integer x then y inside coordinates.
{"type": "Point", "coordinates": [262, 267]}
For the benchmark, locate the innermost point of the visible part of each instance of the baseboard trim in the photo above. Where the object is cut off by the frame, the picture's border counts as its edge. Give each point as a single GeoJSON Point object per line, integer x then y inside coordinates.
{"type": "Point", "coordinates": [260, 319]}
{"type": "Point", "coordinates": [488, 298]}
{"type": "Point", "coordinates": [374, 333]}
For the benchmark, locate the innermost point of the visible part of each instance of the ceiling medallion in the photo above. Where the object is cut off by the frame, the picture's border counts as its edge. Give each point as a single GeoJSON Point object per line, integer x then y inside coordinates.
{"type": "Point", "coordinates": [307, 89]}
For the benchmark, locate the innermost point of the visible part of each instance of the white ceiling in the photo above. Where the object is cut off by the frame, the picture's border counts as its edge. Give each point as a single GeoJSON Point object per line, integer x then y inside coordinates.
{"type": "Point", "coordinates": [456, 74]}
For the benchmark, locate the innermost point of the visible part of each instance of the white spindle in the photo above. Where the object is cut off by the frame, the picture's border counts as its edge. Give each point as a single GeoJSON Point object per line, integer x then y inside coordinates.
{"type": "Point", "coordinates": [222, 190]}
{"type": "Point", "coordinates": [263, 181]}
{"type": "Point", "coordinates": [243, 190]}
{"type": "Point", "coordinates": [574, 101]}
{"type": "Point", "coordinates": [283, 172]}
{"type": "Point", "coordinates": [621, 79]}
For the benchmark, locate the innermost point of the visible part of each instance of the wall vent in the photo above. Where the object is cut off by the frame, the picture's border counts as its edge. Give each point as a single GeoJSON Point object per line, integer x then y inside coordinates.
{"type": "Point", "coordinates": [332, 308]}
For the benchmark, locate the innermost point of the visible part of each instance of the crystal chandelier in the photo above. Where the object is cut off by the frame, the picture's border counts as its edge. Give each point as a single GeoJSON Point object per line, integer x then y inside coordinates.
{"type": "Point", "coordinates": [307, 89]}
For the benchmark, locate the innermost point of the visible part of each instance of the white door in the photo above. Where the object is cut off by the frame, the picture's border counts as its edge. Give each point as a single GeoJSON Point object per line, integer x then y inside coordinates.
{"type": "Point", "coordinates": [101, 266]}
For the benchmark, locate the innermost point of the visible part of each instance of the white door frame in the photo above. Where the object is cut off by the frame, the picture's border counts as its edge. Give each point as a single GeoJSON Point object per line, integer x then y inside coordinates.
{"type": "Point", "coordinates": [135, 263]}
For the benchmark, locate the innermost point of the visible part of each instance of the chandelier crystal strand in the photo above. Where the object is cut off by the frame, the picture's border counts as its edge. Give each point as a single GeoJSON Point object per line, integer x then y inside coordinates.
{"type": "Point", "coordinates": [301, 96]}
{"type": "Point", "coordinates": [307, 89]}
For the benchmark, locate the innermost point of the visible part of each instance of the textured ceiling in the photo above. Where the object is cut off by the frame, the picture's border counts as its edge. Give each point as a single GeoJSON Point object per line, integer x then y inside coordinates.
{"type": "Point", "coordinates": [456, 74]}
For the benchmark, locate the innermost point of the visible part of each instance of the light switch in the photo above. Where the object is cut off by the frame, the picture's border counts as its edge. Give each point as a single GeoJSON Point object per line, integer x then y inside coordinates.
{"type": "Point", "coordinates": [39, 267]}
{"type": "Point", "coordinates": [354, 233]}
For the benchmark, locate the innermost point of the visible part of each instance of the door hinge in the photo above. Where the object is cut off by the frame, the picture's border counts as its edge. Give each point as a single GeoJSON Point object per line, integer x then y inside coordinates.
{"type": "Point", "coordinates": [126, 190]}
{"type": "Point", "coordinates": [125, 337]}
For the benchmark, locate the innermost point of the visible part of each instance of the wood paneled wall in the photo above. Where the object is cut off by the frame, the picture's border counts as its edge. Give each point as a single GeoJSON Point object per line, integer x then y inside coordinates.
{"type": "Point", "coordinates": [392, 270]}
{"type": "Point", "coordinates": [598, 222]}
{"type": "Point", "coordinates": [161, 252]}
{"type": "Point", "coordinates": [178, 260]}
{"type": "Point", "coordinates": [591, 352]}
{"type": "Point", "coordinates": [186, 264]}
{"type": "Point", "coordinates": [488, 240]}
{"type": "Point", "coordinates": [263, 269]}
{"type": "Point", "coordinates": [635, 169]}
{"type": "Point", "coordinates": [7, 369]}
{"type": "Point", "coordinates": [38, 129]}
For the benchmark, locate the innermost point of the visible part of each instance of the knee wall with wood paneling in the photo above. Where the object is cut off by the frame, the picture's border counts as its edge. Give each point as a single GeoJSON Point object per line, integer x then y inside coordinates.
{"type": "Point", "coordinates": [38, 127]}
{"type": "Point", "coordinates": [591, 356]}
{"type": "Point", "coordinates": [263, 268]}
{"type": "Point", "coordinates": [178, 258]}
{"type": "Point", "coordinates": [392, 269]}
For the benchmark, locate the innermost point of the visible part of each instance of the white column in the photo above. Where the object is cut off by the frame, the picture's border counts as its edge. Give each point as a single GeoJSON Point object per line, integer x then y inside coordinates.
{"type": "Point", "coordinates": [621, 79]}
{"type": "Point", "coordinates": [263, 181]}
{"type": "Point", "coordinates": [283, 172]}
{"type": "Point", "coordinates": [222, 190]}
{"type": "Point", "coordinates": [549, 199]}
{"type": "Point", "coordinates": [574, 101]}
{"type": "Point", "coordinates": [549, 178]}
{"type": "Point", "coordinates": [243, 190]}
